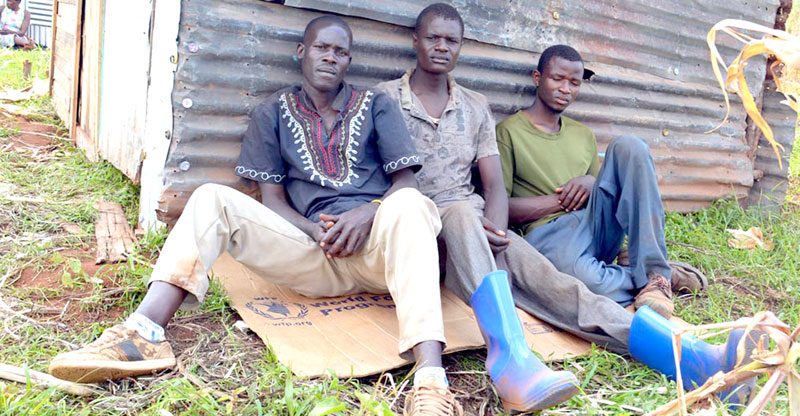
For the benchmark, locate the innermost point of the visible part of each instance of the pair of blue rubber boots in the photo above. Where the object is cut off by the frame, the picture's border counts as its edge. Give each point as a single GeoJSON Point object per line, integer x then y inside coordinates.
{"type": "Point", "coordinates": [525, 384]}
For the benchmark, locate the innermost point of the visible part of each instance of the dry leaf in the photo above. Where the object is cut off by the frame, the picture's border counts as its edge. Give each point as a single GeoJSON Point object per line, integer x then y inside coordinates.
{"type": "Point", "coordinates": [37, 89]}
{"type": "Point", "coordinates": [749, 239]}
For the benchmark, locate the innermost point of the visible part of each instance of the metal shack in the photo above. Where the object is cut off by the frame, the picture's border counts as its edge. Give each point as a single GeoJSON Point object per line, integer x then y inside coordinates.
{"type": "Point", "coordinates": [163, 89]}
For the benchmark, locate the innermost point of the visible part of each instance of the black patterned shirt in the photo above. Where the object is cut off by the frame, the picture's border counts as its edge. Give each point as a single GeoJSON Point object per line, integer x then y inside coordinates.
{"type": "Point", "coordinates": [327, 172]}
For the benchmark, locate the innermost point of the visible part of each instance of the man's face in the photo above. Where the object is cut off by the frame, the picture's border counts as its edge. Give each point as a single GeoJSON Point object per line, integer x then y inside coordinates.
{"type": "Point", "coordinates": [438, 43]}
{"type": "Point", "coordinates": [325, 57]}
{"type": "Point", "coordinates": [559, 84]}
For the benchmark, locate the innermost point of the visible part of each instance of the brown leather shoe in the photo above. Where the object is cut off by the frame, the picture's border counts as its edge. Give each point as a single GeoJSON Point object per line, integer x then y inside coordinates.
{"type": "Point", "coordinates": [431, 398]}
{"type": "Point", "coordinates": [119, 352]}
{"type": "Point", "coordinates": [657, 294]}
{"type": "Point", "coordinates": [686, 278]}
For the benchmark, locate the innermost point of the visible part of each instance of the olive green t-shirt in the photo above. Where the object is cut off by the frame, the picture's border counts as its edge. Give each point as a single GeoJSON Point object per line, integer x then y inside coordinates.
{"type": "Point", "coordinates": [535, 163]}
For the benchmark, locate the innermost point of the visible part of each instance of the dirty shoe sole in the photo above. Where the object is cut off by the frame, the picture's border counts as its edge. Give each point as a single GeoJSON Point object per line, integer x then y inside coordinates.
{"type": "Point", "coordinates": [81, 371]}
{"type": "Point", "coordinates": [556, 394]}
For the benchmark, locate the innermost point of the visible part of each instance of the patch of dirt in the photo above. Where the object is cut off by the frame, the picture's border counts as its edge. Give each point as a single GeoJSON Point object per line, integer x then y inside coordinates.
{"type": "Point", "coordinates": [31, 135]}
{"type": "Point", "coordinates": [52, 279]}
{"type": "Point", "coordinates": [66, 305]}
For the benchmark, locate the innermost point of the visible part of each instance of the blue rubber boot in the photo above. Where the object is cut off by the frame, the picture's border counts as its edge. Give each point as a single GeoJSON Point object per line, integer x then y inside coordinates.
{"type": "Point", "coordinates": [650, 342]}
{"type": "Point", "coordinates": [523, 383]}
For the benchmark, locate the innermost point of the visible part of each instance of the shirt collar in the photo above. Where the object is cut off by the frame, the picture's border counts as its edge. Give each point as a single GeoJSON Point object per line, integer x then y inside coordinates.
{"type": "Point", "coordinates": [339, 101]}
{"type": "Point", "coordinates": [407, 102]}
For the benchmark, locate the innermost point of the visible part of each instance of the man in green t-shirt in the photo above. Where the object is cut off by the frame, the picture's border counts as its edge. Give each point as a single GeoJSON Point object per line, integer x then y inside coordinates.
{"type": "Point", "coordinates": [576, 213]}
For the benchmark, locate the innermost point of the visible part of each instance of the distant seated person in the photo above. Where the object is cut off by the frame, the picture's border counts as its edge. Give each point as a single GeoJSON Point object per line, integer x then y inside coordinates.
{"type": "Point", "coordinates": [577, 213]}
{"type": "Point", "coordinates": [14, 23]}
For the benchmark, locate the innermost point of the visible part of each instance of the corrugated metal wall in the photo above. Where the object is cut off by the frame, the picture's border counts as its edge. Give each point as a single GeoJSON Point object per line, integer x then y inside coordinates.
{"type": "Point", "coordinates": [770, 190]}
{"type": "Point", "coordinates": [41, 29]}
{"type": "Point", "coordinates": [653, 78]}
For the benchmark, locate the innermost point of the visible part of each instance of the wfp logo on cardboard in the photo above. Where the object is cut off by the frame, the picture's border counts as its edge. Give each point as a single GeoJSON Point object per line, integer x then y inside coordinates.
{"type": "Point", "coordinates": [274, 309]}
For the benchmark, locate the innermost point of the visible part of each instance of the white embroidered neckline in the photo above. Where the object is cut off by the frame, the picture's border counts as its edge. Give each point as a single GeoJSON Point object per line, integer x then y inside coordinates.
{"type": "Point", "coordinates": [350, 151]}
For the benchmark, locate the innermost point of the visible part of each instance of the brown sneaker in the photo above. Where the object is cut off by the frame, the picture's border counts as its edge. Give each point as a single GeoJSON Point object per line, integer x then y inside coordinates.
{"type": "Point", "coordinates": [431, 398]}
{"type": "Point", "coordinates": [119, 352]}
{"type": "Point", "coordinates": [657, 295]}
{"type": "Point", "coordinates": [686, 278]}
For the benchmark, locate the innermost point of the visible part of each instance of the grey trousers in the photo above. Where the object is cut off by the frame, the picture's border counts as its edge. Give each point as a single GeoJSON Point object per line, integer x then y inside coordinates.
{"type": "Point", "coordinates": [538, 288]}
{"type": "Point", "coordinates": [625, 201]}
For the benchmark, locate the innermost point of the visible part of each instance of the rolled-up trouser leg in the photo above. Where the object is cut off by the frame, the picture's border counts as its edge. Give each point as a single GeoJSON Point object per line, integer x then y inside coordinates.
{"type": "Point", "coordinates": [564, 301]}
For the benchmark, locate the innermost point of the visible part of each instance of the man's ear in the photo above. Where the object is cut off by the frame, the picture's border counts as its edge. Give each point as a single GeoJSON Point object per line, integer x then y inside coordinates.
{"type": "Point", "coordinates": [536, 75]}
{"type": "Point", "coordinates": [414, 39]}
{"type": "Point", "coordinates": [301, 51]}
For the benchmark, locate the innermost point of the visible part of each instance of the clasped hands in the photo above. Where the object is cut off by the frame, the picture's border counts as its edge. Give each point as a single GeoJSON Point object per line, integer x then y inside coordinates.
{"type": "Point", "coordinates": [574, 194]}
{"type": "Point", "coordinates": [344, 234]}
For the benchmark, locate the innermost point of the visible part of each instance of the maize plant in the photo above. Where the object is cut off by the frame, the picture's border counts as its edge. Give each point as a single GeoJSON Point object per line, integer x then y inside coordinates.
{"type": "Point", "coordinates": [777, 360]}
{"type": "Point", "coordinates": [782, 45]}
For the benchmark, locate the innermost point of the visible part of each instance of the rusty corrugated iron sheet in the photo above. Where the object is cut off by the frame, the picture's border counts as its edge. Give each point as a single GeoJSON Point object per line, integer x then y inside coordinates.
{"type": "Point", "coordinates": [770, 190]}
{"type": "Point", "coordinates": [650, 36]}
{"type": "Point", "coordinates": [653, 79]}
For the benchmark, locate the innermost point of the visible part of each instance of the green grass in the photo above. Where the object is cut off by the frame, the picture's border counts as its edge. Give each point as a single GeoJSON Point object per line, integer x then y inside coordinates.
{"type": "Point", "coordinates": [794, 159]}
{"type": "Point", "coordinates": [11, 64]}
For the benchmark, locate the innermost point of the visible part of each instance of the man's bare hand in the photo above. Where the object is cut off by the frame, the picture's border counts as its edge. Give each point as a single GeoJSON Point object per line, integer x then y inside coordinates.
{"type": "Point", "coordinates": [623, 258]}
{"type": "Point", "coordinates": [347, 232]}
{"type": "Point", "coordinates": [574, 194]}
{"type": "Point", "coordinates": [496, 236]}
{"type": "Point", "coordinates": [319, 229]}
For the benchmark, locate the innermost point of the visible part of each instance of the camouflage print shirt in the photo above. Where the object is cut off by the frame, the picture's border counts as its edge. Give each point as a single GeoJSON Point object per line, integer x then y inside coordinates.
{"type": "Point", "coordinates": [448, 149]}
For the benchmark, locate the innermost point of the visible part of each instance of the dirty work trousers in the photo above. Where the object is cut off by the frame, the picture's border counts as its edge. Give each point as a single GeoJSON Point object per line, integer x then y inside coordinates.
{"type": "Point", "coordinates": [624, 201]}
{"type": "Point", "coordinates": [538, 288]}
{"type": "Point", "coordinates": [400, 256]}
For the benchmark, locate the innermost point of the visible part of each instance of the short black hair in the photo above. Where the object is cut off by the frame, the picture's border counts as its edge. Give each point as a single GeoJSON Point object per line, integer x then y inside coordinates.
{"type": "Point", "coordinates": [327, 20]}
{"type": "Point", "coordinates": [561, 51]}
{"type": "Point", "coordinates": [445, 11]}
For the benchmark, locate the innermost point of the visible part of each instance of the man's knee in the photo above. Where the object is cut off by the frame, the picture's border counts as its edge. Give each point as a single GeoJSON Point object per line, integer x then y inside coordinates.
{"type": "Point", "coordinates": [406, 199]}
{"type": "Point", "coordinates": [461, 212]}
{"type": "Point", "coordinates": [207, 192]}
{"type": "Point", "coordinates": [627, 147]}
{"type": "Point", "coordinates": [590, 272]}
{"type": "Point", "coordinates": [408, 204]}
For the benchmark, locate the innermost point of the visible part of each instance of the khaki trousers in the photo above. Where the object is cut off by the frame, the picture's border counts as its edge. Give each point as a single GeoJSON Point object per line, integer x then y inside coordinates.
{"type": "Point", "coordinates": [400, 256]}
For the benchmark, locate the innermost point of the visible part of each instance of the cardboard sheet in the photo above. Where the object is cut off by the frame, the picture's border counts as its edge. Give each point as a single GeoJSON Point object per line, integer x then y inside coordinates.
{"type": "Point", "coordinates": [356, 336]}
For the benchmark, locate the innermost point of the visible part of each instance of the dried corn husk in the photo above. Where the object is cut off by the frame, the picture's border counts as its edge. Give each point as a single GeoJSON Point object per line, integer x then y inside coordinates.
{"type": "Point", "coordinates": [784, 46]}
{"type": "Point", "coordinates": [778, 363]}
{"type": "Point", "coordinates": [749, 239]}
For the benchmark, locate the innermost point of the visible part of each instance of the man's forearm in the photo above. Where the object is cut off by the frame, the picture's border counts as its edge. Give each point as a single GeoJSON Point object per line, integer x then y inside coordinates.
{"type": "Point", "coordinates": [494, 191]}
{"type": "Point", "coordinates": [274, 198]}
{"type": "Point", "coordinates": [403, 178]}
{"type": "Point", "coordinates": [289, 214]}
{"type": "Point", "coordinates": [497, 207]}
{"type": "Point", "coordinates": [524, 210]}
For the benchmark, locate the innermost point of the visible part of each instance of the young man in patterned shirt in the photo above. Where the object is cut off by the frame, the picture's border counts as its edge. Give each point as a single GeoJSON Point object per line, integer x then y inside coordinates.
{"type": "Point", "coordinates": [340, 215]}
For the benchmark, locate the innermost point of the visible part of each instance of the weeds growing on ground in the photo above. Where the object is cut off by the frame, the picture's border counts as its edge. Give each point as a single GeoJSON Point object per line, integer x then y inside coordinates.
{"type": "Point", "coordinates": [11, 63]}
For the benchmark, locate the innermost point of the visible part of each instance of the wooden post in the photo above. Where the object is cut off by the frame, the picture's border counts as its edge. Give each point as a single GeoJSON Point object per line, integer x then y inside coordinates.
{"type": "Point", "coordinates": [73, 107]}
{"type": "Point", "coordinates": [52, 48]}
